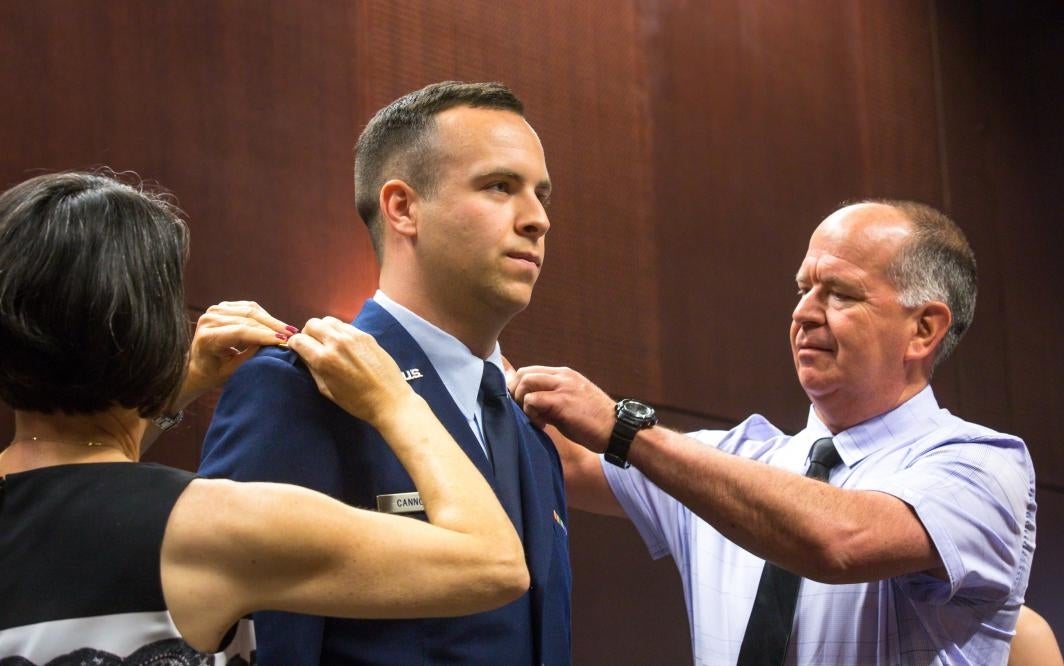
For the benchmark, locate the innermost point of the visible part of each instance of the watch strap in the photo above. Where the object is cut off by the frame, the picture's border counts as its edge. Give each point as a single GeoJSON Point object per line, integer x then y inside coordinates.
{"type": "Point", "coordinates": [620, 441]}
{"type": "Point", "coordinates": [624, 431]}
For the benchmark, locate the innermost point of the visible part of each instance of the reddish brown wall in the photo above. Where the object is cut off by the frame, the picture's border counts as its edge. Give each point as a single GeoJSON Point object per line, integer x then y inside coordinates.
{"type": "Point", "coordinates": [693, 147]}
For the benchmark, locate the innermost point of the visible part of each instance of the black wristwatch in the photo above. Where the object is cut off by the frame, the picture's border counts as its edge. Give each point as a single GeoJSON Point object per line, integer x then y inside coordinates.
{"type": "Point", "coordinates": [632, 416]}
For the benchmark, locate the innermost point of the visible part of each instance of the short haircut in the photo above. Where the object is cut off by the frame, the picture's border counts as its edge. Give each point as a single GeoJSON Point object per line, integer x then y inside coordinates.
{"type": "Point", "coordinates": [936, 264]}
{"type": "Point", "coordinates": [397, 142]}
{"type": "Point", "coordinates": [92, 308]}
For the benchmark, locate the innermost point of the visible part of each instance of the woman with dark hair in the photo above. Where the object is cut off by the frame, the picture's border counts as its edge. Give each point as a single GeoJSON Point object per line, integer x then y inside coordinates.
{"type": "Point", "coordinates": [106, 561]}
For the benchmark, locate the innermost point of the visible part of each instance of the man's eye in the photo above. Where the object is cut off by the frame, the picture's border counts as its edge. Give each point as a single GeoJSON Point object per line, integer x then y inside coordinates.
{"type": "Point", "coordinates": [499, 187]}
{"type": "Point", "coordinates": [802, 291]}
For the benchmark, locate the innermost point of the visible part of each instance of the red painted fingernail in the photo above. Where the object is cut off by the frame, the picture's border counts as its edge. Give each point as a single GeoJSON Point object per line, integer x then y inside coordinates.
{"type": "Point", "coordinates": [292, 329]}
{"type": "Point", "coordinates": [281, 336]}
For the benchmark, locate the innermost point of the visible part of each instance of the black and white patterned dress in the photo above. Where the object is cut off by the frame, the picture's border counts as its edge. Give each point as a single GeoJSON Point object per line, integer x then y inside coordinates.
{"type": "Point", "coordinates": [79, 569]}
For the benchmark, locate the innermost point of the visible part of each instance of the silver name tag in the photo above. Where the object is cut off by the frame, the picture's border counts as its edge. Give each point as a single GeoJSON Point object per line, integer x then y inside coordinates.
{"type": "Point", "coordinates": [400, 503]}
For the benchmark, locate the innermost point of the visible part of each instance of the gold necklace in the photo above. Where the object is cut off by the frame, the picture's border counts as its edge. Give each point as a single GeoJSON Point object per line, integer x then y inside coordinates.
{"type": "Point", "coordinates": [75, 442]}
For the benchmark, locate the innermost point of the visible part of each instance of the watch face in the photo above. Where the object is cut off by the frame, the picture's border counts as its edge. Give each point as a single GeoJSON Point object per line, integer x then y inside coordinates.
{"type": "Point", "coordinates": [638, 409]}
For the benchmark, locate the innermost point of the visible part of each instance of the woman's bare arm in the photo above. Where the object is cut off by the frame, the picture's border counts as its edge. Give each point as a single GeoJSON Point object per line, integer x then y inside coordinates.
{"type": "Point", "coordinates": [231, 548]}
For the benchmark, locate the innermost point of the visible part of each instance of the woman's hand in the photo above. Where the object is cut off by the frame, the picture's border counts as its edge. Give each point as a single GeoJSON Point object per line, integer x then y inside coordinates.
{"type": "Point", "coordinates": [351, 369]}
{"type": "Point", "coordinates": [227, 334]}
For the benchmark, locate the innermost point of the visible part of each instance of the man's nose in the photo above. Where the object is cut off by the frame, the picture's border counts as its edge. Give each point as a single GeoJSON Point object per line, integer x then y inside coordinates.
{"type": "Point", "coordinates": [532, 220]}
{"type": "Point", "coordinates": [809, 310]}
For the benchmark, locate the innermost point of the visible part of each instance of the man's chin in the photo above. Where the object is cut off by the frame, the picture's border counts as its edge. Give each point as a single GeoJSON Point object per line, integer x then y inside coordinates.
{"type": "Point", "coordinates": [516, 298]}
{"type": "Point", "coordinates": [815, 383]}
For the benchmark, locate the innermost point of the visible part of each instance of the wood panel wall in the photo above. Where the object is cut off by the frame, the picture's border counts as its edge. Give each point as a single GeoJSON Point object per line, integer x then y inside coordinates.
{"type": "Point", "coordinates": [693, 145]}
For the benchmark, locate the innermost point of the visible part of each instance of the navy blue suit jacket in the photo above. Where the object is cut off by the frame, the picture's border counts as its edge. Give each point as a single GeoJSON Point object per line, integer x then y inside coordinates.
{"type": "Point", "coordinates": [272, 424]}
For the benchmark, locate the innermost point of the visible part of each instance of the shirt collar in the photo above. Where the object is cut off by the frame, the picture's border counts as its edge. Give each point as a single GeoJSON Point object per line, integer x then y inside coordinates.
{"type": "Point", "coordinates": [458, 368]}
{"type": "Point", "coordinates": [901, 425]}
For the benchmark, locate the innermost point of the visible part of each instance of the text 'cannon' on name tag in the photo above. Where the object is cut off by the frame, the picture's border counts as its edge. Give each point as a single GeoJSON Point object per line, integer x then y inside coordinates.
{"type": "Point", "coordinates": [400, 503]}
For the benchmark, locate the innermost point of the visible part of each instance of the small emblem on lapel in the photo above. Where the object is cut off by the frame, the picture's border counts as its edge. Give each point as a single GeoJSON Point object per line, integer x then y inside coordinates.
{"type": "Point", "coordinates": [400, 503]}
{"type": "Point", "coordinates": [412, 373]}
{"type": "Point", "coordinates": [558, 519]}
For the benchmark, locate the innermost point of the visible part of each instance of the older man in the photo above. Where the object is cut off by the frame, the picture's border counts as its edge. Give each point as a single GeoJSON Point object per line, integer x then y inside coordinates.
{"type": "Point", "coordinates": [888, 531]}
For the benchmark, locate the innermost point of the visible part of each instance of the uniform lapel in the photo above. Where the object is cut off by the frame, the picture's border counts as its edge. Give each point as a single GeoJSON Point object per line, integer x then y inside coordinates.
{"type": "Point", "coordinates": [536, 506]}
{"type": "Point", "coordinates": [410, 358]}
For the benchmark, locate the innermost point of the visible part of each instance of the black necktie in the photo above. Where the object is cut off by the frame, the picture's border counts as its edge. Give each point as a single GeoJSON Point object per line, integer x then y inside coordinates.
{"type": "Point", "coordinates": [500, 431]}
{"type": "Point", "coordinates": [769, 628]}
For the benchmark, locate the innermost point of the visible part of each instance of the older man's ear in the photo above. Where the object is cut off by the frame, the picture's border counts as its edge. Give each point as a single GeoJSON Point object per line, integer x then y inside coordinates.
{"type": "Point", "coordinates": [932, 320]}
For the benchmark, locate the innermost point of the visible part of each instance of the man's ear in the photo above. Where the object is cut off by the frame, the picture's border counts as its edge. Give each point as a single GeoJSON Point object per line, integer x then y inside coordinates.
{"type": "Point", "coordinates": [933, 320]}
{"type": "Point", "coordinates": [398, 204]}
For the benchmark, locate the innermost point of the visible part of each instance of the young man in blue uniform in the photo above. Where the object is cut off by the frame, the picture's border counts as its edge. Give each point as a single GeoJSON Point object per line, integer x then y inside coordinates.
{"type": "Point", "coordinates": [452, 184]}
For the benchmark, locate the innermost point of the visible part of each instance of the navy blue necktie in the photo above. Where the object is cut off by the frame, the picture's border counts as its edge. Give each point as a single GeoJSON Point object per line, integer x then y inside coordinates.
{"type": "Point", "coordinates": [500, 431]}
{"type": "Point", "coordinates": [771, 620]}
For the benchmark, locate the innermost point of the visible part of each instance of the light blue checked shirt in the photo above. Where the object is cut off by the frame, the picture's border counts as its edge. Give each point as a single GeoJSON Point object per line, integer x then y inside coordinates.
{"type": "Point", "coordinates": [972, 488]}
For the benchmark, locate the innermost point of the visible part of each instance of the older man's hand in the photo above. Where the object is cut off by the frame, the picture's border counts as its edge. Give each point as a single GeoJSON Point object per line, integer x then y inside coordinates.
{"type": "Point", "coordinates": [567, 400]}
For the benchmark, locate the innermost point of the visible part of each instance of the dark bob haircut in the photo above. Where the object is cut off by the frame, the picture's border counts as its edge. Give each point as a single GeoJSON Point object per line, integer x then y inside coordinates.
{"type": "Point", "coordinates": [92, 308]}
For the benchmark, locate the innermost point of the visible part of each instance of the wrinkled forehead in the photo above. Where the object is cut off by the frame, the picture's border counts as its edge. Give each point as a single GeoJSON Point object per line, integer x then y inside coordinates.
{"type": "Point", "coordinates": [866, 236]}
